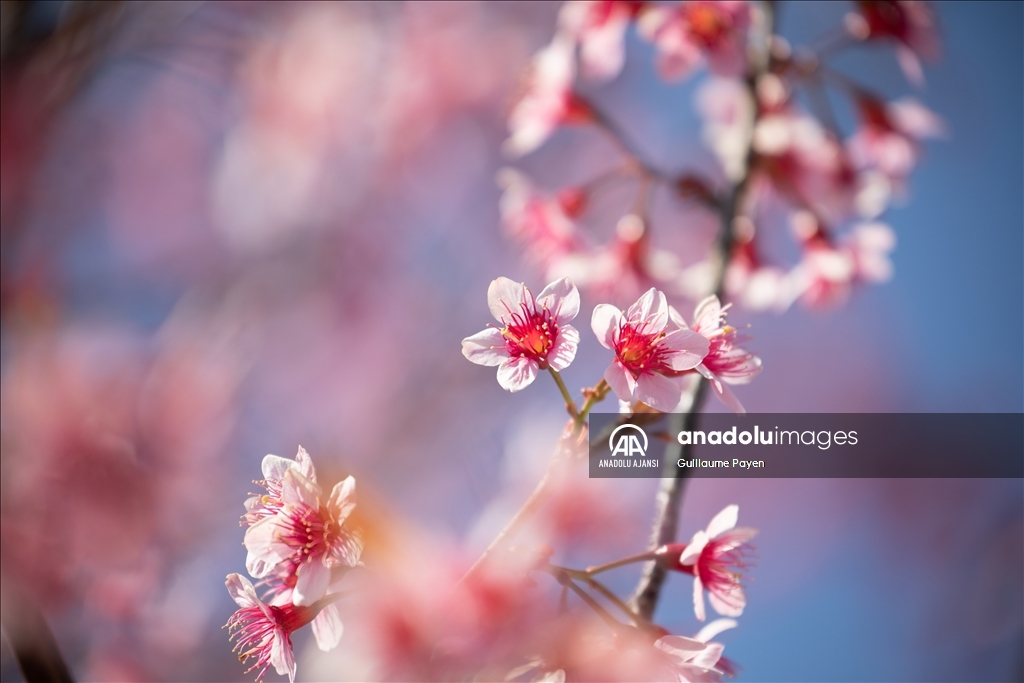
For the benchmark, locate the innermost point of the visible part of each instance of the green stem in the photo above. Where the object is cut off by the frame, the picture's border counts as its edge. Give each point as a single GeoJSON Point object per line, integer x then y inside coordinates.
{"type": "Point", "coordinates": [570, 405]}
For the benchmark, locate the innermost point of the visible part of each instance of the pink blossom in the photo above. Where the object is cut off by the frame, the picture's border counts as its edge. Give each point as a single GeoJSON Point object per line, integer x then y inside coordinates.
{"type": "Point", "coordinates": [755, 286]}
{"type": "Point", "coordinates": [599, 27]}
{"type": "Point", "coordinates": [696, 31]}
{"type": "Point", "coordinates": [810, 168]}
{"type": "Point", "coordinates": [534, 335]}
{"type": "Point", "coordinates": [889, 137]}
{"type": "Point", "coordinates": [544, 224]}
{"type": "Point", "coordinates": [909, 22]}
{"type": "Point", "coordinates": [263, 631]}
{"type": "Point", "coordinates": [306, 538]}
{"type": "Point", "coordinates": [827, 271]}
{"type": "Point", "coordinates": [649, 357]}
{"type": "Point", "coordinates": [549, 100]}
{"type": "Point", "coordinates": [713, 556]}
{"type": "Point", "coordinates": [726, 362]}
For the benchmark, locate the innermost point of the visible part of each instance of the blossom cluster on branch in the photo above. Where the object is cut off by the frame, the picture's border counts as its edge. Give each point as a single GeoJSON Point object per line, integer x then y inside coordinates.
{"type": "Point", "coordinates": [769, 124]}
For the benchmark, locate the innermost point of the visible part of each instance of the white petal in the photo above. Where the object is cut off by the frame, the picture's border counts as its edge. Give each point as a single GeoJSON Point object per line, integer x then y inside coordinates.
{"type": "Point", "coordinates": [297, 489]}
{"type": "Point", "coordinates": [564, 350]}
{"type": "Point", "coordinates": [621, 381]}
{"type": "Point", "coordinates": [327, 628]}
{"type": "Point", "coordinates": [708, 657]}
{"type": "Point", "coordinates": [485, 348]}
{"type": "Point", "coordinates": [561, 298]}
{"type": "Point", "coordinates": [698, 599]}
{"type": "Point", "coordinates": [305, 464]}
{"type": "Point", "coordinates": [680, 648]}
{"type": "Point", "coordinates": [517, 373]}
{"type": "Point", "coordinates": [658, 391]}
{"type": "Point", "coordinates": [281, 656]}
{"type": "Point", "coordinates": [707, 315]}
{"type": "Point", "coordinates": [265, 551]}
{"type": "Point", "coordinates": [693, 548]}
{"type": "Point", "coordinates": [346, 549]}
{"type": "Point", "coordinates": [605, 322]}
{"type": "Point", "coordinates": [274, 467]}
{"type": "Point", "coordinates": [730, 604]}
{"type": "Point", "coordinates": [504, 297]}
{"type": "Point", "coordinates": [714, 628]}
{"type": "Point", "coordinates": [343, 499]}
{"type": "Point", "coordinates": [312, 579]}
{"type": "Point", "coordinates": [723, 521]}
{"type": "Point", "coordinates": [690, 349]}
{"type": "Point", "coordinates": [241, 591]}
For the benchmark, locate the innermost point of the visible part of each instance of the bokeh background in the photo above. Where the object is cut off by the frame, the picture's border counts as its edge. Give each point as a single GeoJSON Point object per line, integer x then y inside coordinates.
{"type": "Point", "coordinates": [230, 229]}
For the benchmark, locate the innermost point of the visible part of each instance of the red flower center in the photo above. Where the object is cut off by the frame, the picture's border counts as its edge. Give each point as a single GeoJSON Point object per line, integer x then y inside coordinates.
{"type": "Point", "coordinates": [530, 333]}
{"type": "Point", "coordinates": [642, 352]}
{"type": "Point", "coordinates": [708, 24]}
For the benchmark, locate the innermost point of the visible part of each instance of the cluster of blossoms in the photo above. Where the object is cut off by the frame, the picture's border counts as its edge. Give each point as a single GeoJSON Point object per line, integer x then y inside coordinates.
{"type": "Point", "coordinates": [298, 545]}
{"type": "Point", "coordinates": [834, 187]}
{"type": "Point", "coordinates": [656, 353]}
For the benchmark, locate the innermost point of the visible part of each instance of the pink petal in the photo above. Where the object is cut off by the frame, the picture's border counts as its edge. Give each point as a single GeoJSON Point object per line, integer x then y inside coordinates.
{"type": "Point", "coordinates": [327, 628]}
{"type": "Point", "coordinates": [910, 65]}
{"type": "Point", "coordinates": [485, 348]}
{"type": "Point", "coordinates": [725, 395]}
{"type": "Point", "coordinates": [689, 346]}
{"type": "Point", "coordinates": [734, 538]}
{"type": "Point", "coordinates": [621, 381]}
{"type": "Point", "coordinates": [658, 391]}
{"type": "Point", "coordinates": [650, 308]}
{"type": "Point", "coordinates": [603, 51]}
{"type": "Point", "coordinates": [343, 499]}
{"type": "Point", "coordinates": [714, 628]}
{"type": "Point", "coordinates": [504, 297]}
{"type": "Point", "coordinates": [516, 374]}
{"type": "Point", "coordinates": [281, 656]}
{"type": "Point", "coordinates": [563, 351]}
{"type": "Point", "coordinates": [562, 298]}
{"type": "Point", "coordinates": [296, 489]}
{"type": "Point", "coordinates": [723, 521]}
{"type": "Point", "coordinates": [676, 319]}
{"type": "Point", "coordinates": [605, 323]}
{"type": "Point", "coordinates": [312, 579]}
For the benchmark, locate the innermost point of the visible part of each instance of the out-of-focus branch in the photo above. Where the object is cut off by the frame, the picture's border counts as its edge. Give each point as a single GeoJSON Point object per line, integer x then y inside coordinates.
{"type": "Point", "coordinates": [30, 639]}
{"type": "Point", "coordinates": [669, 499]}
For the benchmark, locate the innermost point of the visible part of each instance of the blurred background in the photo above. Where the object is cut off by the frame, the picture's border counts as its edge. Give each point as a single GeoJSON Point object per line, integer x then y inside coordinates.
{"type": "Point", "coordinates": [230, 229]}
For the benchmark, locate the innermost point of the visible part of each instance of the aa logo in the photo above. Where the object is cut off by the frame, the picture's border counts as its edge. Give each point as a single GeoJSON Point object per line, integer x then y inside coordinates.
{"type": "Point", "coordinates": [627, 443]}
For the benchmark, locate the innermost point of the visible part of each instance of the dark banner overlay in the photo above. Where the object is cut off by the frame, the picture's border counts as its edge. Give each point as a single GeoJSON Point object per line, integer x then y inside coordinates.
{"type": "Point", "coordinates": [793, 445]}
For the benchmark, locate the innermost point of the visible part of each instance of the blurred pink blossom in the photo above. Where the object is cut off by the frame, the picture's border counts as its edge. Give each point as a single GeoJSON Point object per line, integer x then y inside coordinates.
{"type": "Point", "coordinates": [698, 30]}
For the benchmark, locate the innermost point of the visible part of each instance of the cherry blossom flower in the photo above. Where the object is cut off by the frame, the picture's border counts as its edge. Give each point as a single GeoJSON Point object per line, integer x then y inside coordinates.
{"type": "Point", "coordinates": [599, 27]}
{"type": "Point", "coordinates": [695, 31]}
{"type": "Point", "coordinates": [725, 665]}
{"type": "Point", "coordinates": [911, 23]}
{"type": "Point", "coordinates": [263, 631]}
{"type": "Point", "coordinates": [889, 137]}
{"type": "Point", "coordinates": [828, 271]}
{"type": "Point", "coordinates": [306, 538]}
{"type": "Point", "coordinates": [726, 362]}
{"type": "Point", "coordinates": [810, 168]}
{"type": "Point", "coordinates": [650, 357]}
{"type": "Point", "coordinates": [535, 334]}
{"type": "Point", "coordinates": [549, 100]}
{"type": "Point", "coordinates": [544, 224]}
{"type": "Point", "coordinates": [713, 556]}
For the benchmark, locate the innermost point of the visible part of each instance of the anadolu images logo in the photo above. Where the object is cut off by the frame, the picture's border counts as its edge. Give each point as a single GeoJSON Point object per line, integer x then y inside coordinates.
{"type": "Point", "coordinates": [627, 444]}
